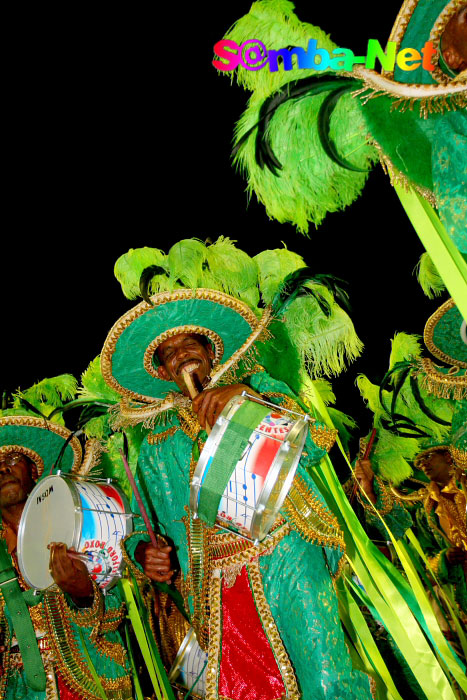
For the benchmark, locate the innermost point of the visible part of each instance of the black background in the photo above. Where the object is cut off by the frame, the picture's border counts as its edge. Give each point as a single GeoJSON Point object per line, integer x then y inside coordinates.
{"type": "Point", "coordinates": [119, 136]}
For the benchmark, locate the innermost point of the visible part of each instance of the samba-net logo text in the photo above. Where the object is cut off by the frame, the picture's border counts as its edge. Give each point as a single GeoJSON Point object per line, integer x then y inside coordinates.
{"type": "Point", "coordinates": [253, 55]}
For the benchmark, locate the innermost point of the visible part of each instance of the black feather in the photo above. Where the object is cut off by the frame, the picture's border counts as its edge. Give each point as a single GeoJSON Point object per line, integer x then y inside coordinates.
{"type": "Point", "coordinates": [293, 286]}
{"type": "Point", "coordinates": [324, 128]}
{"type": "Point", "coordinates": [125, 445]}
{"type": "Point", "coordinates": [145, 280]}
{"type": "Point", "coordinates": [24, 402]}
{"type": "Point", "coordinates": [423, 407]}
{"type": "Point", "coordinates": [56, 464]}
{"type": "Point", "coordinates": [295, 90]}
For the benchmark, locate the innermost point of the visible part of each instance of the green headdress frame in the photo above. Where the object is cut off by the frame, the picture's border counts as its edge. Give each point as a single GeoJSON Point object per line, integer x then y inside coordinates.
{"type": "Point", "coordinates": [127, 356]}
{"type": "Point", "coordinates": [445, 335]}
{"type": "Point", "coordinates": [40, 440]}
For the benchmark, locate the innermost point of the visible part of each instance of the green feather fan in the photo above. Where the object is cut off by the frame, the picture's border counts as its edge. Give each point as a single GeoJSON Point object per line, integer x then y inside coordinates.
{"type": "Point", "coordinates": [310, 184]}
{"type": "Point", "coordinates": [429, 278]}
{"type": "Point", "coordinates": [129, 267]}
{"type": "Point", "coordinates": [45, 396]}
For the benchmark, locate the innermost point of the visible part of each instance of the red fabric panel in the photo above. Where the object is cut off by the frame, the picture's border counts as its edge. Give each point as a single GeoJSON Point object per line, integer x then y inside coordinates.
{"type": "Point", "coordinates": [64, 691]}
{"type": "Point", "coordinates": [248, 669]}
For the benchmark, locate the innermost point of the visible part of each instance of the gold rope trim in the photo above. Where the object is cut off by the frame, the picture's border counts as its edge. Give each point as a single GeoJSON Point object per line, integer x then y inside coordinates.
{"type": "Point", "coordinates": [34, 456]}
{"type": "Point", "coordinates": [215, 624]}
{"type": "Point", "coordinates": [429, 98]}
{"type": "Point", "coordinates": [444, 386]}
{"type": "Point", "coordinates": [159, 299]}
{"type": "Point", "coordinates": [310, 518]}
{"type": "Point", "coordinates": [33, 422]}
{"type": "Point", "coordinates": [429, 331]}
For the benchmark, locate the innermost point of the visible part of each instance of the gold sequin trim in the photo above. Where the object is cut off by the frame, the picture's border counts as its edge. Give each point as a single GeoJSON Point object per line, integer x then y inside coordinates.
{"type": "Point", "coordinates": [323, 437]}
{"type": "Point", "coordinates": [459, 456]}
{"type": "Point", "coordinates": [272, 633]}
{"type": "Point", "coordinates": [310, 517]}
{"type": "Point", "coordinates": [158, 300]}
{"type": "Point", "coordinates": [140, 577]}
{"type": "Point", "coordinates": [215, 633]}
{"type": "Point", "coordinates": [189, 422]}
{"type": "Point", "coordinates": [429, 331]}
{"type": "Point", "coordinates": [156, 439]}
{"type": "Point", "coordinates": [452, 385]}
{"type": "Point", "coordinates": [434, 563]}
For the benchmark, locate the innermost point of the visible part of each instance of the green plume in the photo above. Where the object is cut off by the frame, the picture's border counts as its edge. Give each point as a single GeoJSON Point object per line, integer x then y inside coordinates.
{"type": "Point", "coordinates": [391, 455]}
{"type": "Point", "coordinates": [404, 347]}
{"type": "Point", "coordinates": [429, 278]}
{"type": "Point", "coordinates": [186, 259]}
{"type": "Point", "coordinates": [231, 270]}
{"type": "Point", "coordinates": [129, 267]}
{"type": "Point", "coordinates": [273, 267]}
{"type": "Point", "coordinates": [47, 395]}
{"type": "Point", "coordinates": [93, 385]}
{"type": "Point", "coordinates": [310, 184]}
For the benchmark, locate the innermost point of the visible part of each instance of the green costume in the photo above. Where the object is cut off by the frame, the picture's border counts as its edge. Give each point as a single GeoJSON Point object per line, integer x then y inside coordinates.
{"type": "Point", "coordinates": [267, 614]}
{"type": "Point", "coordinates": [67, 636]}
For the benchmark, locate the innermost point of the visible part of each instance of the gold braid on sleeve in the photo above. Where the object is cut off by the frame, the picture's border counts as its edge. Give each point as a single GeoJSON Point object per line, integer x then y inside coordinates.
{"type": "Point", "coordinates": [322, 436]}
{"type": "Point", "coordinates": [310, 517]}
{"type": "Point", "coordinates": [139, 575]}
{"type": "Point", "coordinates": [385, 495]}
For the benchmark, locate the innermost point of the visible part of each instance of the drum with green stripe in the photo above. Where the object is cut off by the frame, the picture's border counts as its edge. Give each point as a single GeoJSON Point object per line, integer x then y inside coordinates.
{"type": "Point", "coordinates": [247, 466]}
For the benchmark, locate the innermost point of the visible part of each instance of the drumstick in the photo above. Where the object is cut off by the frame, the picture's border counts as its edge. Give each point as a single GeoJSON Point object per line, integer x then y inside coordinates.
{"type": "Point", "coordinates": [139, 501]}
{"type": "Point", "coordinates": [192, 390]}
{"type": "Point", "coordinates": [365, 456]}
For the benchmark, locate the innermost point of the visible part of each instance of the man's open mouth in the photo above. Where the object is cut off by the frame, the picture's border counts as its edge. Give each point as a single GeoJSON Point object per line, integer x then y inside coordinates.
{"type": "Point", "coordinates": [189, 366]}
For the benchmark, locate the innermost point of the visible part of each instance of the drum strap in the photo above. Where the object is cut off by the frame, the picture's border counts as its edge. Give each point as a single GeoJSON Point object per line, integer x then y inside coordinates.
{"type": "Point", "coordinates": [230, 450]}
{"type": "Point", "coordinates": [22, 624]}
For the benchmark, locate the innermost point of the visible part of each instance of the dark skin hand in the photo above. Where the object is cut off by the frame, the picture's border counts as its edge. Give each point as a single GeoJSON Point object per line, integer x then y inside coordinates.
{"type": "Point", "coordinates": [456, 555]}
{"type": "Point", "coordinates": [155, 561]}
{"type": "Point", "coordinates": [365, 476]}
{"type": "Point", "coordinates": [70, 575]}
{"type": "Point", "coordinates": [210, 403]}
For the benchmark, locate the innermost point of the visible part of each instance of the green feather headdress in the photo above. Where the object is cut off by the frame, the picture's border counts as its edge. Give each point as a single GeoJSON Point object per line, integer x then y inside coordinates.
{"type": "Point", "coordinates": [221, 292]}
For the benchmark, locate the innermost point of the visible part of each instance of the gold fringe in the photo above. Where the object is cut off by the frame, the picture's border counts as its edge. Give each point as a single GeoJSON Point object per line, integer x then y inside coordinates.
{"type": "Point", "coordinates": [310, 518]}
{"type": "Point", "coordinates": [444, 386]}
{"type": "Point", "coordinates": [156, 439]}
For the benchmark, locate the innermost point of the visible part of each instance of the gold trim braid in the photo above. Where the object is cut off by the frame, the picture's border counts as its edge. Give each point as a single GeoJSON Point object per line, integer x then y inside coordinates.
{"type": "Point", "coordinates": [310, 518]}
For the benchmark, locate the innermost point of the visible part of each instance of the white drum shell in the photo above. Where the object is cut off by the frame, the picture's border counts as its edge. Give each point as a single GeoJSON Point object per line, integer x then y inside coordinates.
{"type": "Point", "coordinates": [54, 512]}
{"type": "Point", "coordinates": [188, 665]}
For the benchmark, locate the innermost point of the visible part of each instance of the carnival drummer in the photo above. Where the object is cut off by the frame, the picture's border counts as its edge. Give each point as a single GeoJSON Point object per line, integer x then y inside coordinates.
{"type": "Point", "coordinates": [67, 624]}
{"type": "Point", "coordinates": [265, 614]}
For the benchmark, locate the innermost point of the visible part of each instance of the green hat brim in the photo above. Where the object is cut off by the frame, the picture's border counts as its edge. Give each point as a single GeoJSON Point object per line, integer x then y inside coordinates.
{"type": "Point", "coordinates": [444, 335]}
{"type": "Point", "coordinates": [127, 357]}
{"type": "Point", "coordinates": [41, 441]}
{"type": "Point", "coordinates": [420, 21]}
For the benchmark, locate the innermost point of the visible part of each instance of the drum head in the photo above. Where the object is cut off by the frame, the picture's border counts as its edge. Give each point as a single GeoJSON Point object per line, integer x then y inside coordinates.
{"type": "Point", "coordinates": [49, 516]}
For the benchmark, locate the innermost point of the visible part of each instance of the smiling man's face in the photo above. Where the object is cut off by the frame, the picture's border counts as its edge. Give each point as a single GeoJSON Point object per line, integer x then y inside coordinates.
{"type": "Point", "coordinates": [185, 351]}
{"type": "Point", "coordinates": [15, 479]}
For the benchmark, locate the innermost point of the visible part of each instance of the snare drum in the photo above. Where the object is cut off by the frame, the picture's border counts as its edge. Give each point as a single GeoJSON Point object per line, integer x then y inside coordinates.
{"type": "Point", "coordinates": [90, 516]}
{"type": "Point", "coordinates": [247, 466]}
{"type": "Point", "coordinates": [190, 662]}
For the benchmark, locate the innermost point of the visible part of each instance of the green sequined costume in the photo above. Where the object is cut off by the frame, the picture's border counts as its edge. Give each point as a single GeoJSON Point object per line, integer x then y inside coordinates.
{"type": "Point", "coordinates": [296, 576]}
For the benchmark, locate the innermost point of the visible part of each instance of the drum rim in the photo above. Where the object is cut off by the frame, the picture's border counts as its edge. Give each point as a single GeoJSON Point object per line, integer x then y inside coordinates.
{"type": "Point", "coordinates": [218, 430]}
{"type": "Point", "coordinates": [258, 532]}
{"type": "Point", "coordinates": [77, 524]}
{"type": "Point", "coordinates": [185, 647]}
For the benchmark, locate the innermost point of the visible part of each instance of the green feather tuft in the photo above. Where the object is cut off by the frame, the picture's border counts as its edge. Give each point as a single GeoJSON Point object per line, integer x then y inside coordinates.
{"type": "Point", "coordinates": [48, 394]}
{"type": "Point", "coordinates": [429, 278]}
{"type": "Point", "coordinates": [93, 385]}
{"type": "Point", "coordinates": [273, 267]}
{"type": "Point", "coordinates": [232, 271]}
{"type": "Point", "coordinates": [404, 347]}
{"type": "Point", "coordinates": [129, 267]}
